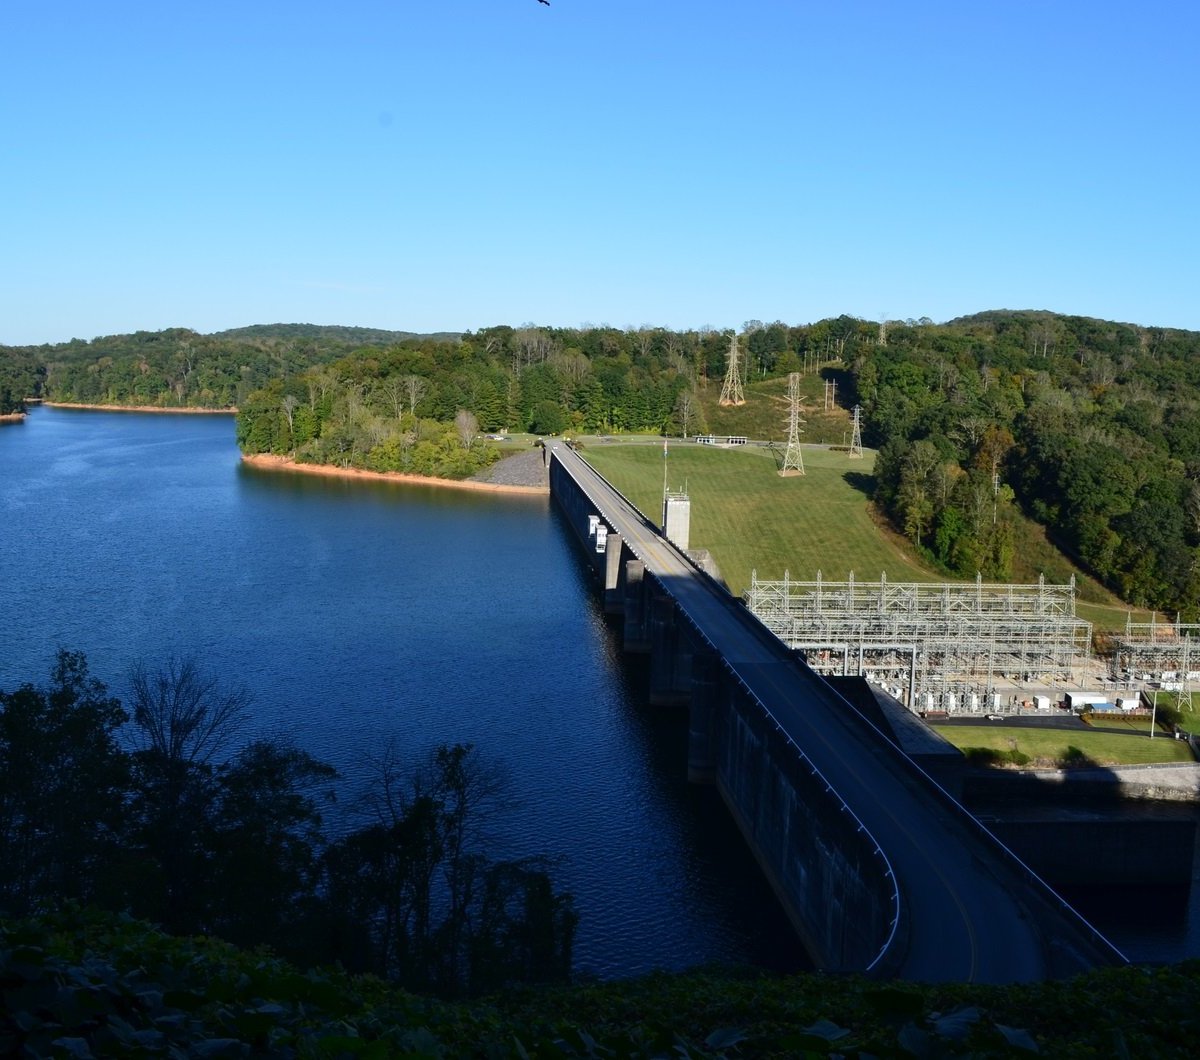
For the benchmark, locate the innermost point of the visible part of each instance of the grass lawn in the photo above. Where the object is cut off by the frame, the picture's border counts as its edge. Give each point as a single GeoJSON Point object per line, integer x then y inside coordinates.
{"type": "Point", "coordinates": [1047, 747]}
{"type": "Point", "coordinates": [1120, 721]}
{"type": "Point", "coordinates": [748, 517]}
{"type": "Point", "coordinates": [765, 413]}
{"type": "Point", "coordinates": [1189, 717]}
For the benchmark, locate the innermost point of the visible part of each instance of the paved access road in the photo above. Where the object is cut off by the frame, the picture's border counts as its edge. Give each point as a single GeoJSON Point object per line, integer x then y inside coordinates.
{"type": "Point", "coordinates": [962, 918]}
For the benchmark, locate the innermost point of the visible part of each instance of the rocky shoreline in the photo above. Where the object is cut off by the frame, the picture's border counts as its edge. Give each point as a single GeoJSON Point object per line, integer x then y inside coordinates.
{"type": "Point", "coordinates": [139, 408]}
{"type": "Point", "coordinates": [516, 478]}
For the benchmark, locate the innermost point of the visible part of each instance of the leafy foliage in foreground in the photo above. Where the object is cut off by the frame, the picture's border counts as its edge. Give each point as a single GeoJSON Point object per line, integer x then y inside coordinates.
{"type": "Point", "coordinates": [84, 984]}
{"type": "Point", "coordinates": [236, 848]}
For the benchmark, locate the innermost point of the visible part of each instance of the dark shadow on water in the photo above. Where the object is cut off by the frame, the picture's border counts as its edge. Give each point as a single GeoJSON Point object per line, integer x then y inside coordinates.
{"type": "Point", "coordinates": [710, 833]}
{"type": "Point", "coordinates": [728, 876]}
{"type": "Point", "coordinates": [1128, 866]}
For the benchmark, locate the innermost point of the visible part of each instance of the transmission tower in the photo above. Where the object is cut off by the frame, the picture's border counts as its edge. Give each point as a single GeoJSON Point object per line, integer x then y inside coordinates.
{"type": "Point", "coordinates": [793, 460]}
{"type": "Point", "coordinates": [1184, 700]}
{"type": "Point", "coordinates": [731, 389]}
{"type": "Point", "coordinates": [856, 437]}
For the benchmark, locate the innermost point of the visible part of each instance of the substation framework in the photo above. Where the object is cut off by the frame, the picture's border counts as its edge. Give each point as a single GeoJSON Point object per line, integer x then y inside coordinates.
{"type": "Point", "coordinates": [941, 645]}
{"type": "Point", "coordinates": [1168, 652]}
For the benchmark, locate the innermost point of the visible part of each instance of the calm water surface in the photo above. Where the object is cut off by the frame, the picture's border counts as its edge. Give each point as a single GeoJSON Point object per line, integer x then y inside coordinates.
{"type": "Point", "coordinates": [357, 613]}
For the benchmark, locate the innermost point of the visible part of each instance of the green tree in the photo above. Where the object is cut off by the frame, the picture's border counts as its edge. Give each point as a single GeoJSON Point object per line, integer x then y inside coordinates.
{"type": "Point", "coordinates": [547, 418]}
{"type": "Point", "coordinates": [415, 897]}
{"type": "Point", "coordinates": [184, 720]}
{"type": "Point", "coordinates": [265, 842]}
{"type": "Point", "coordinates": [62, 783]}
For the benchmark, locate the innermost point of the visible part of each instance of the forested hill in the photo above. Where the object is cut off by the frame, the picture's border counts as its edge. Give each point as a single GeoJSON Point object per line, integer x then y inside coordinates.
{"type": "Point", "coordinates": [21, 373]}
{"type": "Point", "coordinates": [330, 333]}
{"type": "Point", "coordinates": [178, 367]}
{"type": "Point", "coordinates": [1092, 427]}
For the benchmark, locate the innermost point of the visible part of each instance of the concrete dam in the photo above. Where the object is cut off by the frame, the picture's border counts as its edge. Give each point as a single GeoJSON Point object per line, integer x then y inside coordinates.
{"type": "Point", "coordinates": [879, 869]}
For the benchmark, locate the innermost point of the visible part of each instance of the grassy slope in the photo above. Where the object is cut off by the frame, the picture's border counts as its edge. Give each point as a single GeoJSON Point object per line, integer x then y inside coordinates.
{"type": "Point", "coordinates": [749, 517]}
{"type": "Point", "coordinates": [1048, 746]}
{"type": "Point", "coordinates": [764, 416]}
{"type": "Point", "coordinates": [765, 413]}
{"type": "Point", "coordinates": [821, 521]}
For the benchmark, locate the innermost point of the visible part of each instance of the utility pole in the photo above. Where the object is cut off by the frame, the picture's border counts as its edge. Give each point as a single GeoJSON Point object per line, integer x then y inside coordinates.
{"type": "Point", "coordinates": [830, 394]}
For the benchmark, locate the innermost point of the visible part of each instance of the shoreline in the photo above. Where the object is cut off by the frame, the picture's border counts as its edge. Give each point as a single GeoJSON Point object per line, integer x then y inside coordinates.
{"type": "Point", "coordinates": [12, 417]}
{"type": "Point", "coordinates": [272, 462]}
{"type": "Point", "coordinates": [138, 408]}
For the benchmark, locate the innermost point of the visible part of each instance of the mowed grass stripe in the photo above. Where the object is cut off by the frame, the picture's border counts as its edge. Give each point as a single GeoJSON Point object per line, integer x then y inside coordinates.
{"type": "Point", "coordinates": [748, 517]}
{"type": "Point", "coordinates": [1048, 746]}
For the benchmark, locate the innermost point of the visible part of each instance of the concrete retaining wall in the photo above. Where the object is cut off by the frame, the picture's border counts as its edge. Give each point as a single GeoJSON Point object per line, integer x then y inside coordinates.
{"type": "Point", "coordinates": [1172, 783]}
{"type": "Point", "coordinates": [825, 872]}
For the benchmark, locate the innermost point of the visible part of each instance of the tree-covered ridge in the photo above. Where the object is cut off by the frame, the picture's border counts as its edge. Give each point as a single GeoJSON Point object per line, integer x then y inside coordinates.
{"type": "Point", "coordinates": [375, 408]}
{"type": "Point", "coordinates": [1092, 426]}
{"type": "Point", "coordinates": [331, 334]}
{"type": "Point", "coordinates": [180, 368]}
{"type": "Point", "coordinates": [176, 368]}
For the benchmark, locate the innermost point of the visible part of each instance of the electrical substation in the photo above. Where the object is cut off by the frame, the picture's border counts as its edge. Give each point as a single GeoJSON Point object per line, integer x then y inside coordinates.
{"type": "Point", "coordinates": [948, 646]}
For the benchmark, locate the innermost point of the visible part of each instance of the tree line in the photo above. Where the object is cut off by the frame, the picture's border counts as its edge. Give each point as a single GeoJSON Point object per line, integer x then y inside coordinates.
{"type": "Point", "coordinates": [155, 808]}
{"type": "Point", "coordinates": [392, 409]}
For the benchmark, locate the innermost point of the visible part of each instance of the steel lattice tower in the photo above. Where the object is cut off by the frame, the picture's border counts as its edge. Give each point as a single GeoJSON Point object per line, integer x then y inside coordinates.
{"type": "Point", "coordinates": [856, 437]}
{"type": "Point", "coordinates": [793, 459]}
{"type": "Point", "coordinates": [731, 389]}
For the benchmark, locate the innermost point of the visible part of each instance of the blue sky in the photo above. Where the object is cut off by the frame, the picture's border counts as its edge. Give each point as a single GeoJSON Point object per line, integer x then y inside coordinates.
{"type": "Point", "coordinates": [449, 165]}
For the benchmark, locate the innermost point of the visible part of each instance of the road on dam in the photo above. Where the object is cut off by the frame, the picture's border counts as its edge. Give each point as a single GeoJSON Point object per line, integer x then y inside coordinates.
{"type": "Point", "coordinates": [962, 913]}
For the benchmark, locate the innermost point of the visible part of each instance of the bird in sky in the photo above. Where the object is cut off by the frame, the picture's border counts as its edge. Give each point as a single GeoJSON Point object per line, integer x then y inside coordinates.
{"type": "Point", "coordinates": [546, 2]}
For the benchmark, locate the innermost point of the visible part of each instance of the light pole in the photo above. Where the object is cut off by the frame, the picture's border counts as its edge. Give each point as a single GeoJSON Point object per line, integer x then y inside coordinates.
{"type": "Point", "coordinates": [1153, 712]}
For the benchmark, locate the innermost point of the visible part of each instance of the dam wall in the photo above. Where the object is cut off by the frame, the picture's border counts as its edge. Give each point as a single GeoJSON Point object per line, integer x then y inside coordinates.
{"type": "Point", "coordinates": [831, 879]}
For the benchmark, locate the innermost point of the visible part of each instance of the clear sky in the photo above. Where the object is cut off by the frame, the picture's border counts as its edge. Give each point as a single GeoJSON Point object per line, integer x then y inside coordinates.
{"type": "Point", "coordinates": [436, 165]}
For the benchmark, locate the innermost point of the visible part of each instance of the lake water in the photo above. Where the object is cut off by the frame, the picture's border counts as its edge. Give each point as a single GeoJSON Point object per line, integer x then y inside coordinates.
{"type": "Point", "coordinates": [358, 613]}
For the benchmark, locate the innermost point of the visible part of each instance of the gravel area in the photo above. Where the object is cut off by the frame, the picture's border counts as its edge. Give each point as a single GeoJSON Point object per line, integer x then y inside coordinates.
{"type": "Point", "coordinates": [521, 469]}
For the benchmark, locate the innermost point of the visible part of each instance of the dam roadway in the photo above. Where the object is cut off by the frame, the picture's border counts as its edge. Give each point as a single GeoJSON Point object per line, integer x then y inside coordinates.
{"type": "Point", "coordinates": [968, 910]}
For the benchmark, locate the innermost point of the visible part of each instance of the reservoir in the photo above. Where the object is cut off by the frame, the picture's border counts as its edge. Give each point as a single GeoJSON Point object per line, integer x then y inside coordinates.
{"type": "Point", "coordinates": [360, 614]}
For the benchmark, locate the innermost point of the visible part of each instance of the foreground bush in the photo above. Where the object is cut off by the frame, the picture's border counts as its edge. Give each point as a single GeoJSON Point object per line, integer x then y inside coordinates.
{"type": "Point", "coordinates": [88, 984]}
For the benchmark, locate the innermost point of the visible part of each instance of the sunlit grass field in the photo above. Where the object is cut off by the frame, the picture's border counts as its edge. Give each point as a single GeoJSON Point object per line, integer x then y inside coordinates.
{"type": "Point", "coordinates": [1047, 747]}
{"type": "Point", "coordinates": [748, 517]}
